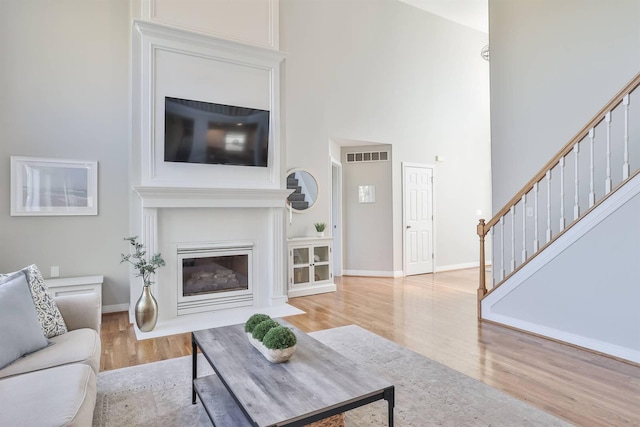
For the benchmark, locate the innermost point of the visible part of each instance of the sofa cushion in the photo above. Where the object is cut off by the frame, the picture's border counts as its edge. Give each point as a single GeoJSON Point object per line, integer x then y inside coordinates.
{"type": "Point", "coordinates": [20, 332]}
{"type": "Point", "coordinates": [62, 396]}
{"type": "Point", "coordinates": [78, 346]}
{"type": "Point", "coordinates": [48, 314]}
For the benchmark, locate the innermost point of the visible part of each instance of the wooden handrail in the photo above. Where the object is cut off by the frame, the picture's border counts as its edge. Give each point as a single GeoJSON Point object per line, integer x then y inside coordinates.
{"type": "Point", "coordinates": [617, 99]}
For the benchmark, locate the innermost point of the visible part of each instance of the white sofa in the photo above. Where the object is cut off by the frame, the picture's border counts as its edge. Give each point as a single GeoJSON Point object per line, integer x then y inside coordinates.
{"type": "Point", "coordinates": [56, 386]}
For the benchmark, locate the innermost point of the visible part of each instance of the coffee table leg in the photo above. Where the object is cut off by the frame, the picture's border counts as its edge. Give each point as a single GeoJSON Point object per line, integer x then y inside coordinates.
{"type": "Point", "coordinates": [194, 368]}
{"type": "Point", "coordinates": [389, 396]}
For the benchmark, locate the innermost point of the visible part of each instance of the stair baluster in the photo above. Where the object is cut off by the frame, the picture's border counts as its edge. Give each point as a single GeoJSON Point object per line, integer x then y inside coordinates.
{"type": "Point", "coordinates": [562, 221]}
{"type": "Point", "coordinates": [576, 182]}
{"type": "Point", "coordinates": [513, 238]}
{"type": "Point", "coordinates": [607, 181]}
{"type": "Point", "coordinates": [625, 166]}
{"type": "Point", "coordinates": [548, 234]}
{"type": "Point", "coordinates": [524, 228]}
{"type": "Point", "coordinates": [592, 194]}
{"type": "Point", "coordinates": [536, 240]}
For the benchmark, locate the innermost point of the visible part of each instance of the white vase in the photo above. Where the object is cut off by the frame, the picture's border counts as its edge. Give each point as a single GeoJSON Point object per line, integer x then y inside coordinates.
{"type": "Point", "coordinates": [320, 233]}
{"type": "Point", "coordinates": [273, 356]}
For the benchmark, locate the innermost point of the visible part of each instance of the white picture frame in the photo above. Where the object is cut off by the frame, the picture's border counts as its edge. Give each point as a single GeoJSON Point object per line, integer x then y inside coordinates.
{"type": "Point", "coordinates": [366, 194]}
{"type": "Point", "coordinates": [49, 187]}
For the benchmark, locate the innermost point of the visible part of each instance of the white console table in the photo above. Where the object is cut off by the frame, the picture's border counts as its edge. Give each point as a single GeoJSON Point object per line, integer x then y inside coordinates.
{"type": "Point", "coordinates": [76, 285]}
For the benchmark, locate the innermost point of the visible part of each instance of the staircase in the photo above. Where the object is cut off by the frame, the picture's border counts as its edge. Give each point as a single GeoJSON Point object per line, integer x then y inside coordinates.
{"type": "Point", "coordinates": [562, 266]}
{"type": "Point", "coordinates": [297, 198]}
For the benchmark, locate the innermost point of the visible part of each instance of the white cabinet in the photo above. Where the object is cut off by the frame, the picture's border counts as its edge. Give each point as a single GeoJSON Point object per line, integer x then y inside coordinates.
{"type": "Point", "coordinates": [75, 285]}
{"type": "Point", "coordinates": [310, 266]}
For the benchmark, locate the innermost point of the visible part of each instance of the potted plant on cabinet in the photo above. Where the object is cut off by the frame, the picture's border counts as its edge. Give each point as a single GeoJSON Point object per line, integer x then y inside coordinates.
{"type": "Point", "coordinates": [320, 226]}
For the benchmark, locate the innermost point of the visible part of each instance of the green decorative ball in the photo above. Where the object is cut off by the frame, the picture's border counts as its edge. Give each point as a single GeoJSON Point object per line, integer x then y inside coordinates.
{"type": "Point", "coordinates": [279, 337]}
{"type": "Point", "coordinates": [262, 328]}
{"type": "Point", "coordinates": [254, 320]}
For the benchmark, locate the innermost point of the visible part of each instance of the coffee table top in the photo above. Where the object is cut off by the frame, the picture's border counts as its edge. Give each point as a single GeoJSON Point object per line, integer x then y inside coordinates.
{"type": "Point", "coordinates": [315, 379]}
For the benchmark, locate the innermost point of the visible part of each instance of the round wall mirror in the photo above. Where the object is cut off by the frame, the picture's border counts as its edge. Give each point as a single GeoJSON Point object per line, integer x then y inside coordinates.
{"type": "Point", "coordinates": [305, 189]}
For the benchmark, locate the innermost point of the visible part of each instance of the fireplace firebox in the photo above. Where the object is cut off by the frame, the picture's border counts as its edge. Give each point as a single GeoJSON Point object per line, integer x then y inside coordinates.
{"type": "Point", "coordinates": [216, 273]}
{"type": "Point", "coordinates": [214, 276]}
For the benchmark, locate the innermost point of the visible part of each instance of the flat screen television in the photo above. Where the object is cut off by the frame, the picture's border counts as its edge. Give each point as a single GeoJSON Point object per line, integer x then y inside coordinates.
{"type": "Point", "coordinates": [204, 132]}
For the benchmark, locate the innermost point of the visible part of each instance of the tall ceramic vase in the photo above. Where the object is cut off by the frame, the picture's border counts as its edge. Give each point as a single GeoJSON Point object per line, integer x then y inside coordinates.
{"type": "Point", "coordinates": [146, 310]}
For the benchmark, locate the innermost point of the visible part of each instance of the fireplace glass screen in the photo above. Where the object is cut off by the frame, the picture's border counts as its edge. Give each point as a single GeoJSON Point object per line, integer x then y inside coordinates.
{"type": "Point", "coordinates": [205, 275]}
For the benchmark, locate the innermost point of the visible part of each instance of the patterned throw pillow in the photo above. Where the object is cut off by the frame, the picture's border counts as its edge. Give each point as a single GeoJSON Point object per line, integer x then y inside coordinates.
{"type": "Point", "coordinates": [49, 316]}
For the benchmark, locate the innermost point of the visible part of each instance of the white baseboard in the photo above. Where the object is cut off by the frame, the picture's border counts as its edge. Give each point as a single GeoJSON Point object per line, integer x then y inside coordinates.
{"type": "Point", "coordinates": [372, 273]}
{"type": "Point", "coordinates": [115, 308]}
{"type": "Point", "coordinates": [312, 290]}
{"type": "Point", "coordinates": [462, 266]}
{"type": "Point", "coordinates": [400, 273]}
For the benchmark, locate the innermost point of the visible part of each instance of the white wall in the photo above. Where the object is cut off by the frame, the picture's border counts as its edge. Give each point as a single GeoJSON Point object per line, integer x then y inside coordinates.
{"type": "Point", "coordinates": [554, 64]}
{"type": "Point", "coordinates": [385, 72]}
{"type": "Point", "coordinates": [64, 86]}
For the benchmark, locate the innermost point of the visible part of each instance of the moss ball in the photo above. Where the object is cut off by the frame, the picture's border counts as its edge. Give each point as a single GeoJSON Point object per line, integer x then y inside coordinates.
{"type": "Point", "coordinates": [279, 337]}
{"type": "Point", "coordinates": [262, 328]}
{"type": "Point", "coordinates": [254, 320]}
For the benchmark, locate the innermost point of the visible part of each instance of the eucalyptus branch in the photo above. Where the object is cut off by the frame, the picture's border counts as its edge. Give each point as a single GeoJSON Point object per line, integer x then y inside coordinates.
{"type": "Point", "coordinates": [144, 268]}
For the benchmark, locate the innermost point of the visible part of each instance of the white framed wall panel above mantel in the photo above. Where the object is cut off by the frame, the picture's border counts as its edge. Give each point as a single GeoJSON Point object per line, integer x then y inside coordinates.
{"type": "Point", "coordinates": [172, 62]}
{"type": "Point", "coordinates": [254, 22]}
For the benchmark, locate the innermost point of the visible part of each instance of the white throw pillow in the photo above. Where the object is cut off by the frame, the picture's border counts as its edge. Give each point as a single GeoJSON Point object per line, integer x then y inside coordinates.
{"type": "Point", "coordinates": [49, 316]}
{"type": "Point", "coordinates": [20, 333]}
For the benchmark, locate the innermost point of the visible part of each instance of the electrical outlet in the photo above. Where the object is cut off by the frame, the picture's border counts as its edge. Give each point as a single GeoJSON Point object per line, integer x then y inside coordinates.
{"type": "Point", "coordinates": [55, 271]}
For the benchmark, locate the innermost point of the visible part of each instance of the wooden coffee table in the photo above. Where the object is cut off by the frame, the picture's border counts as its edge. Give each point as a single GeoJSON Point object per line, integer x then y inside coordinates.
{"type": "Point", "coordinates": [316, 383]}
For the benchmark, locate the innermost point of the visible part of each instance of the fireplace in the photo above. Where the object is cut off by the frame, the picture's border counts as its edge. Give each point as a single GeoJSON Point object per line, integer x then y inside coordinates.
{"type": "Point", "coordinates": [214, 276]}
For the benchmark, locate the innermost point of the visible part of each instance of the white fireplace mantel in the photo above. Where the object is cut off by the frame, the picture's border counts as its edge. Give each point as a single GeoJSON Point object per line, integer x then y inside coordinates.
{"type": "Point", "coordinates": [173, 197]}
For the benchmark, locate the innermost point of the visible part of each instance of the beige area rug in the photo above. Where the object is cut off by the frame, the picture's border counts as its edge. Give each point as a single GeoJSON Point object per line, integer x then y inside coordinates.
{"type": "Point", "coordinates": [427, 392]}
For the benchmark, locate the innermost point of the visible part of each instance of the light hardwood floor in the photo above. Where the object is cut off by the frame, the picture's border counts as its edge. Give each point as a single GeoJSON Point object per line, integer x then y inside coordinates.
{"type": "Point", "coordinates": [435, 315]}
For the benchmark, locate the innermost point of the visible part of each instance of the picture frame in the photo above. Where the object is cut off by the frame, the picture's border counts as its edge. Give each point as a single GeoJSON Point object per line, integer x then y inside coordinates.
{"type": "Point", "coordinates": [49, 187]}
{"type": "Point", "coordinates": [366, 194]}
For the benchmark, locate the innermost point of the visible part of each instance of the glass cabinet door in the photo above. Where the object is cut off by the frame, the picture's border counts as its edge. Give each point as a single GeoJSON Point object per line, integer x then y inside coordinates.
{"type": "Point", "coordinates": [300, 275]}
{"type": "Point", "coordinates": [321, 254]}
{"type": "Point", "coordinates": [300, 256]}
{"type": "Point", "coordinates": [321, 272]}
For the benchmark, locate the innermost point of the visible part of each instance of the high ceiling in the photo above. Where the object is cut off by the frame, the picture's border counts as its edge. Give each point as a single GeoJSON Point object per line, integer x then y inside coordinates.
{"type": "Point", "coordinates": [470, 13]}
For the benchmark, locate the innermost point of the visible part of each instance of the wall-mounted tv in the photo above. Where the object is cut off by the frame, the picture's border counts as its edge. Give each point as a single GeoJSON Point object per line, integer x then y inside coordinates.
{"type": "Point", "coordinates": [203, 132]}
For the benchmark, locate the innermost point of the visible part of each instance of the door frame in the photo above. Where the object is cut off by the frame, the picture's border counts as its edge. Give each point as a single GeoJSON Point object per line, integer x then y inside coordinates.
{"type": "Point", "coordinates": [404, 219]}
{"type": "Point", "coordinates": [336, 213]}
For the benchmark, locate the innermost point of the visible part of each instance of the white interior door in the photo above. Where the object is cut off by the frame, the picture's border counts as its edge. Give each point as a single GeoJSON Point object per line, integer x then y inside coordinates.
{"type": "Point", "coordinates": [418, 219]}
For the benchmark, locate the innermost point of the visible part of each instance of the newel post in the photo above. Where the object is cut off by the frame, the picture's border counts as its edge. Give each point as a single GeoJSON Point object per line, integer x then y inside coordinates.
{"type": "Point", "coordinates": [482, 289]}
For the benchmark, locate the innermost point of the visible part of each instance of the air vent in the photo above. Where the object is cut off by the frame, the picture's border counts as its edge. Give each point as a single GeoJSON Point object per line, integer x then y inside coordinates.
{"type": "Point", "coordinates": [368, 156]}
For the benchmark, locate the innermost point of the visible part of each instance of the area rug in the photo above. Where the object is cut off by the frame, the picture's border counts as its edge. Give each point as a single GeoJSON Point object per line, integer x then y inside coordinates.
{"type": "Point", "coordinates": [427, 392]}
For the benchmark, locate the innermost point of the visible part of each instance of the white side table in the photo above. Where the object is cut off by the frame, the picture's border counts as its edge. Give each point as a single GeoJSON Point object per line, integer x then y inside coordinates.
{"type": "Point", "coordinates": [75, 286]}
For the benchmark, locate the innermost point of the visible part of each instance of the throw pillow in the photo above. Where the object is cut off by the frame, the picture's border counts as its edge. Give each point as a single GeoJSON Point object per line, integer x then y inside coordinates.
{"type": "Point", "coordinates": [20, 333]}
{"type": "Point", "coordinates": [49, 316]}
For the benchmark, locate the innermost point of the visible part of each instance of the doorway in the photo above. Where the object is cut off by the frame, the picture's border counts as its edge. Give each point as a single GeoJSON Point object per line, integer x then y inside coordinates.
{"type": "Point", "coordinates": [336, 215]}
{"type": "Point", "coordinates": [418, 219]}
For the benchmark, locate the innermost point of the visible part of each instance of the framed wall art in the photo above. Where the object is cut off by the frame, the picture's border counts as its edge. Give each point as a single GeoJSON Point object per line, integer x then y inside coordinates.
{"type": "Point", "coordinates": [43, 186]}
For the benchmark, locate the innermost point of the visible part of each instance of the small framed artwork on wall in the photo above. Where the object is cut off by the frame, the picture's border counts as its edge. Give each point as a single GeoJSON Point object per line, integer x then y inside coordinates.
{"type": "Point", "coordinates": [44, 186]}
